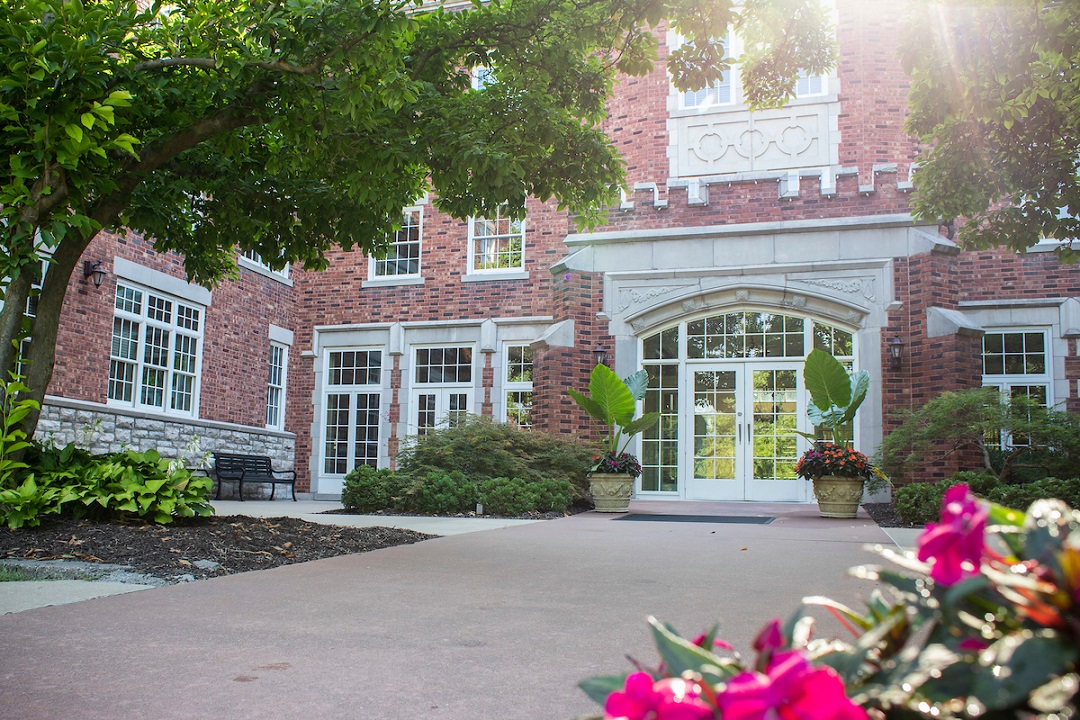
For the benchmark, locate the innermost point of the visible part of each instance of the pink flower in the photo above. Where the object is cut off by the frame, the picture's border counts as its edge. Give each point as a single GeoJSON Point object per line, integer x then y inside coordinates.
{"type": "Point", "coordinates": [717, 643]}
{"type": "Point", "coordinates": [669, 699]}
{"type": "Point", "coordinates": [770, 638]}
{"type": "Point", "coordinates": [793, 690]}
{"type": "Point", "coordinates": [955, 545]}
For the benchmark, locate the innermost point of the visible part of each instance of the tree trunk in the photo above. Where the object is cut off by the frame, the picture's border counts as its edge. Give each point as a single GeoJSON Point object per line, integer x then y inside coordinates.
{"type": "Point", "coordinates": [41, 356]}
{"type": "Point", "coordinates": [11, 315]}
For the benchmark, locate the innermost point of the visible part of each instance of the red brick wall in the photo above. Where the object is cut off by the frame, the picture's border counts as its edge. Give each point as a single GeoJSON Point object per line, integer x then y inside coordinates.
{"type": "Point", "coordinates": [235, 338]}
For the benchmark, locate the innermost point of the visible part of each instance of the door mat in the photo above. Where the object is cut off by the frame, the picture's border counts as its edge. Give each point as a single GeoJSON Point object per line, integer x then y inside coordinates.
{"type": "Point", "coordinates": [724, 519]}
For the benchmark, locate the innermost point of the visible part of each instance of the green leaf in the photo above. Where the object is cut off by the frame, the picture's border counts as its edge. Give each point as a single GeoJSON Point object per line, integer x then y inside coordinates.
{"type": "Point", "coordinates": [637, 384]}
{"type": "Point", "coordinates": [681, 655]}
{"type": "Point", "coordinates": [74, 132]}
{"type": "Point", "coordinates": [88, 120]}
{"type": "Point", "coordinates": [598, 688]}
{"type": "Point", "coordinates": [827, 381]}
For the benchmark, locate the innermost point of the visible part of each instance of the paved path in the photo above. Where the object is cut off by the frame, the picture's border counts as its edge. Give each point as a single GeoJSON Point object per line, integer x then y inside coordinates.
{"type": "Point", "coordinates": [498, 624]}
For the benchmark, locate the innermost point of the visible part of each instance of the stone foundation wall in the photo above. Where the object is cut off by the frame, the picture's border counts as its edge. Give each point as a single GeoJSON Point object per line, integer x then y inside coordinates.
{"type": "Point", "coordinates": [102, 429]}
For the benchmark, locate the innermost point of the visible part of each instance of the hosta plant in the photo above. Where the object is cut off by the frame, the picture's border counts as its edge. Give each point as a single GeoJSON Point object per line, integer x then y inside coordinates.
{"type": "Point", "coordinates": [982, 621]}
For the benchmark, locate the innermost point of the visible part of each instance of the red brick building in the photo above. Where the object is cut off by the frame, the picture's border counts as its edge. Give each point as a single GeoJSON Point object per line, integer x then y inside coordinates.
{"type": "Point", "coordinates": [744, 240]}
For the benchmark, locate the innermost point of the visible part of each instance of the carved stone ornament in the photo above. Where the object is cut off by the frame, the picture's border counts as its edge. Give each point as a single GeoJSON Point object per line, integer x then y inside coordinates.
{"type": "Point", "coordinates": [640, 296]}
{"type": "Point", "coordinates": [795, 301]}
{"type": "Point", "coordinates": [691, 304]}
{"type": "Point", "coordinates": [742, 295]}
{"type": "Point", "coordinates": [852, 286]}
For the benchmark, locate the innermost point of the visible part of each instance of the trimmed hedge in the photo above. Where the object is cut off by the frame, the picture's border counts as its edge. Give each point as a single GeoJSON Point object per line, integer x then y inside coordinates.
{"type": "Point", "coordinates": [920, 503]}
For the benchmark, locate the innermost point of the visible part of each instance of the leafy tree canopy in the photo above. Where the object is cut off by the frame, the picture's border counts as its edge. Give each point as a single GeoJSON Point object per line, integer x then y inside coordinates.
{"type": "Point", "coordinates": [290, 127]}
{"type": "Point", "coordinates": [995, 97]}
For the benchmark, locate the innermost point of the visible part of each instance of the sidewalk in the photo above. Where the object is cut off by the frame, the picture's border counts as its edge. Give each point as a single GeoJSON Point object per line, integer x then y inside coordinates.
{"type": "Point", "coordinates": [480, 625]}
{"type": "Point", "coordinates": [25, 595]}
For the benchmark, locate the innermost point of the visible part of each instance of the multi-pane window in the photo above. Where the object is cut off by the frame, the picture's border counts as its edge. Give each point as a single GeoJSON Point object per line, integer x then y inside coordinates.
{"type": "Point", "coordinates": [809, 85]}
{"type": "Point", "coordinates": [275, 387]}
{"type": "Point", "coordinates": [745, 335]}
{"type": "Point", "coordinates": [719, 93]}
{"type": "Point", "coordinates": [31, 312]}
{"type": "Point", "coordinates": [155, 354]}
{"type": "Point", "coordinates": [256, 258]}
{"type": "Point", "coordinates": [402, 258]}
{"type": "Point", "coordinates": [518, 385]}
{"type": "Point", "coordinates": [443, 387]}
{"type": "Point", "coordinates": [497, 243]}
{"type": "Point", "coordinates": [353, 402]}
{"type": "Point", "coordinates": [1017, 362]}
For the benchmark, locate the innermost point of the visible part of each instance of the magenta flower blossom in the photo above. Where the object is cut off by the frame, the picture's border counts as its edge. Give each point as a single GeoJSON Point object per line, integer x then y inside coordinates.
{"type": "Point", "coordinates": [668, 699]}
{"type": "Point", "coordinates": [770, 638]}
{"type": "Point", "coordinates": [955, 545]}
{"type": "Point", "coordinates": [793, 689]}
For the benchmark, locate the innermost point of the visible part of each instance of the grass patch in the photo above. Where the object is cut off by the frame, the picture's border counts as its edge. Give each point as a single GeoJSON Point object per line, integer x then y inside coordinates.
{"type": "Point", "coordinates": [12, 573]}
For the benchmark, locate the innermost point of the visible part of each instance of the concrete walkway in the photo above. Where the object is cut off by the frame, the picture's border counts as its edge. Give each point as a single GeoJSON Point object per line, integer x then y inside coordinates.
{"type": "Point", "coordinates": [499, 624]}
{"type": "Point", "coordinates": [25, 595]}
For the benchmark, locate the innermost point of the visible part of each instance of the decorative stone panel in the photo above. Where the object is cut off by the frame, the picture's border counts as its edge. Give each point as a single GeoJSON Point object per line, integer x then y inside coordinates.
{"type": "Point", "coordinates": [739, 142]}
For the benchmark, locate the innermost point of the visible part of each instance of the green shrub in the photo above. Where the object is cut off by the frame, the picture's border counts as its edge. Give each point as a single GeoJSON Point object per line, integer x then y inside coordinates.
{"type": "Point", "coordinates": [551, 495]}
{"type": "Point", "coordinates": [1022, 496]}
{"type": "Point", "coordinates": [968, 424]}
{"type": "Point", "coordinates": [919, 503]}
{"type": "Point", "coordinates": [70, 480]}
{"type": "Point", "coordinates": [483, 449]}
{"type": "Point", "coordinates": [505, 496]}
{"type": "Point", "coordinates": [514, 496]}
{"type": "Point", "coordinates": [369, 490]}
{"type": "Point", "coordinates": [980, 482]}
{"type": "Point", "coordinates": [440, 493]}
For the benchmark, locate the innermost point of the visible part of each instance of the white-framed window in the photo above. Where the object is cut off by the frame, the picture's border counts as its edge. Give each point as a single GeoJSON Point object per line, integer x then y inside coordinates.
{"type": "Point", "coordinates": [275, 386]}
{"type": "Point", "coordinates": [155, 359]}
{"type": "Point", "coordinates": [496, 244]}
{"type": "Point", "coordinates": [353, 402]}
{"type": "Point", "coordinates": [254, 261]}
{"type": "Point", "coordinates": [482, 76]}
{"type": "Point", "coordinates": [728, 89]}
{"type": "Point", "coordinates": [21, 367]}
{"type": "Point", "coordinates": [402, 259]}
{"type": "Point", "coordinates": [518, 385]}
{"type": "Point", "coordinates": [810, 85]}
{"type": "Point", "coordinates": [720, 92]}
{"type": "Point", "coordinates": [442, 387]}
{"type": "Point", "coordinates": [1017, 362]}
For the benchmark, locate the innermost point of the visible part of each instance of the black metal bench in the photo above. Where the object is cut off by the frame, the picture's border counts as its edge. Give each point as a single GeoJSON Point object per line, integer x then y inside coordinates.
{"type": "Point", "coordinates": [250, 469]}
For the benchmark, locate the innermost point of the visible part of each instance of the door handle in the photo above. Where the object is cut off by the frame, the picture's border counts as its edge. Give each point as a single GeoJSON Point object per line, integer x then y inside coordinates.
{"type": "Point", "coordinates": [739, 426]}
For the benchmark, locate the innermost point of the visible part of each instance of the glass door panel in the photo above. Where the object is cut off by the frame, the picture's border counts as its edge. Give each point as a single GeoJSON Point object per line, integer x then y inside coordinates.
{"type": "Point", "coordinates": [775, 418]}
{"type": "Point", "coordinates": [715, 418]}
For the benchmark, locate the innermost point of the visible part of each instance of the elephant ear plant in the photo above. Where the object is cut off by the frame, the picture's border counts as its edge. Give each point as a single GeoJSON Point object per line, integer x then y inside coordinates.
{"type": "Point", "coordinates": [611, 403]}
{"type": "Point", "coordinates": [835, 396]}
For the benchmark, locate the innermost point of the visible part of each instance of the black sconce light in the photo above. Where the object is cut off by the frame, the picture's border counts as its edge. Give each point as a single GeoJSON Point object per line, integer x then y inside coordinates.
{"type": "Point", "coordinates": [896, 353]}
{"type": "Point", "coordinates": [95, 271]}
{"type": "Point", "coordinates": [600, 355]}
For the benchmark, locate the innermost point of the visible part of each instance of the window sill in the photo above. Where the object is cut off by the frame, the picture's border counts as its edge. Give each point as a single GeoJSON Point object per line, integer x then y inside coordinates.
{"type": "Point", "coordinates": [740, 107]}
{"type": "Point", "coordinates": [492, 275]}
{"type": "Point", "coordinates": [264, 271]}
{"type": "Point", "coordinates": [392, 281]}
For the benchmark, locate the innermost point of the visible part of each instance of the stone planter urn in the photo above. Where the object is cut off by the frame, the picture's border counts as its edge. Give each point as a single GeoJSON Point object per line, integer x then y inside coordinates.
{"type": "Point", "coordinates": [838, 497]}
{"type": "Point", "coordinates": [611, 491]}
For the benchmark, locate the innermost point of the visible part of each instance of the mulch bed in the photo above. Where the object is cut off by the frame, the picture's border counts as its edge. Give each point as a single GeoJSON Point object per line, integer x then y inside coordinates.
{"type": "Point", "coordinates": [884, 514]}
{"type": "Point", "coordinates": [173, 552]}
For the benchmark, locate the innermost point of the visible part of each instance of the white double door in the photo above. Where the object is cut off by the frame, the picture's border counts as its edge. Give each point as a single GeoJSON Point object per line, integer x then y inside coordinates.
{"type": "Point", "coordinates": [741, 419]}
